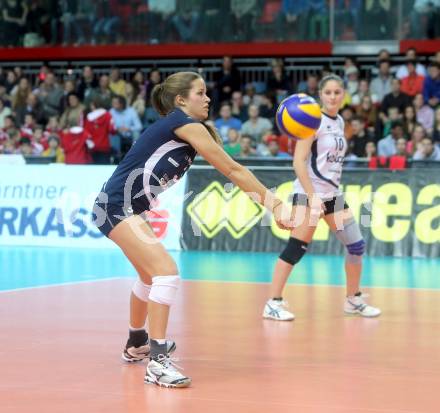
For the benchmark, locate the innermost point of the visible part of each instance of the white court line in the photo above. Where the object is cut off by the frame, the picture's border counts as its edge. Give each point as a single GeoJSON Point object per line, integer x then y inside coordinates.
{"type": "Point", "coordinates": [317, 285]}
{"type": "Point", "coordinates": [64, 283]}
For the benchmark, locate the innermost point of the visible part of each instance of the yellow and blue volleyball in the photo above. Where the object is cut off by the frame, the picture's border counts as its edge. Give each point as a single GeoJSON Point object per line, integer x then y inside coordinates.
{"type": "Point", "coordinates": [298, 116]}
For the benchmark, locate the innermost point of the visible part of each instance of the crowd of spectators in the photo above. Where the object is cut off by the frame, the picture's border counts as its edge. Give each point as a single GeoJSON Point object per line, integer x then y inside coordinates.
{"type": "Point", "coordinates": [75, 22]}
{"type": "Point", "coordinates": [389, 111]}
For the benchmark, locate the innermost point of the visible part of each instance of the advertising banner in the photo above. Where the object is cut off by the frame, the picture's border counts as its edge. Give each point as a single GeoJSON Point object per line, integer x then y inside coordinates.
{"type": "Point", "coordinates": [398, 211]}
{"type": "Point", "coordinates": [51, 205]}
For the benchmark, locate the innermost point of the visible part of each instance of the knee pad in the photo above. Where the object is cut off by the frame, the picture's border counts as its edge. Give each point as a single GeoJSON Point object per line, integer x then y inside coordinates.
{"type": "Point", "coordinates": [141, 290]}
{"type": "Point", "coordinates": [294, 251]}
{"type": "Point", "coordinates": [351, 237]}
{"type": "Point", "coordinates": [164, 289]}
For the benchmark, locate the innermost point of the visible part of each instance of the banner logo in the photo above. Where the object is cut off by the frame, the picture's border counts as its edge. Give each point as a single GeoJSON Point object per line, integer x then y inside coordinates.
{"type": "Point", "coordinates": [216, 208]}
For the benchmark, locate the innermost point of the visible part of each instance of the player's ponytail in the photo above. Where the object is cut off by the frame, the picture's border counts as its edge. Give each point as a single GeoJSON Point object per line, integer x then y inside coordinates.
{"type": "Point", "coordinates": [214, 134]}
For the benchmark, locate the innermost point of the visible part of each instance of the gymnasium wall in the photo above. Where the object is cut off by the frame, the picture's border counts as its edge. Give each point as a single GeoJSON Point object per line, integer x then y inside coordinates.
{"type": "Point", "coordinates": [50, 205]}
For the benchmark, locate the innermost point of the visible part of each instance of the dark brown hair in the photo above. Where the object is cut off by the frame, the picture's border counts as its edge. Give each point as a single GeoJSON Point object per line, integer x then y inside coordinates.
{"type": "Point", "coordinates": [164, 94]}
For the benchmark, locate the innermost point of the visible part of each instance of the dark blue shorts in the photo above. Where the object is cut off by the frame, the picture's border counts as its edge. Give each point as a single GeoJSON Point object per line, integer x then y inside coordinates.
{"type": "Point", "coordinates": [107, 216]}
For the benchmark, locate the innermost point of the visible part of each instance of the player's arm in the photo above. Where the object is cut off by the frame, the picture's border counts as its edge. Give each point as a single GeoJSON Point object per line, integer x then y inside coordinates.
{"type": "Point", "coordinates": [303, 149]}
{"type": "Point", "coordinates": [200, 139]}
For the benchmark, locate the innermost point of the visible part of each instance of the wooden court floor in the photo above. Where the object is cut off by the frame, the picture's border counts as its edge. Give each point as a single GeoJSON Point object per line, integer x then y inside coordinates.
{"type": "Point", "coordinates": [60, 352]}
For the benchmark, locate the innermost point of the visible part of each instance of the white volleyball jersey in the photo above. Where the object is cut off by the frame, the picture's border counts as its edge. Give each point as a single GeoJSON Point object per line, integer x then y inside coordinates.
{"type": "Point", "coordinates": [326, 158]}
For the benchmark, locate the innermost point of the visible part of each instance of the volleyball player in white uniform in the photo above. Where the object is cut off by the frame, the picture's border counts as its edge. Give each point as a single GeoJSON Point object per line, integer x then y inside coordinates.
{"type": "Point", "coordinates": [318, 166]}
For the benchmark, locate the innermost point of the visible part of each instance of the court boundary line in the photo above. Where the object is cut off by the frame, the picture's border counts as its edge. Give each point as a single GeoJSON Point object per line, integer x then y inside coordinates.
{"type": "Point", "coordinates": [63, 284]}
{"type": "Point", "coordinates": [433, 289]}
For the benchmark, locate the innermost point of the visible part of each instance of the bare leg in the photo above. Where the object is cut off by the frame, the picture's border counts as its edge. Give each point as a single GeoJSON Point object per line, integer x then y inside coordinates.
{"type": "Point", "coordinates": [138, 242]}
{"type": "Point", "coordinates": [353, 273]}
{"type": "Point", "coordinates": [304, 232]}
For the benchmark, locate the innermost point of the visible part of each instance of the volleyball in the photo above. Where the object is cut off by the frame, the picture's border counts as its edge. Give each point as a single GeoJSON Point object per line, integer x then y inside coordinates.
{"type": "Point", "coordinates": [298, 116]}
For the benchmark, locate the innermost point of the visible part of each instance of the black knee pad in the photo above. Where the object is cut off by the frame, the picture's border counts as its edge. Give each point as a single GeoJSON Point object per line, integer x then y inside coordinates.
{"type": "Point", "coordinates": [294, 251]}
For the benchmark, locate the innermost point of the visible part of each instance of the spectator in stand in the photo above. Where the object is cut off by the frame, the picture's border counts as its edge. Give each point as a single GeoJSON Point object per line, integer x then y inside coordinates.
{"type": "Point", "coordinates": [213, 15]}
{"type": "Point", "coordinates": [117, 84]}
{"type": "Point", "coordinates": [401, 145]}
{"type": "Point", "coordinates": [317, 19]}
{"type": "Point", "coordinates": [103, 92]}
{"type": "Point", "coordinates": [140, 83]}
{"type": "Point", "coordinates": [393, 116]}
{"type": "Point", "coordinates": [399, 160]}
{"type": "Point", "coordinates": [9, 123]}
{"type": "Point", "coordinates": [352, 83]}
{"type": "Point", "coordinates": [381, 84]}
{"type": "Point", "coordinates": [127, 124]}
{"type": "Point", "coordinates": [243, 18]}
{"type": "Point", "coordinates": [413, 82]}
{"type": "Point", "coordinates": [186, 20]}
{"type": "Point", "coordinates": [107, 21]}
{"type": "Point", "coordinates": [15, 137]}
{"type": "Point", "coordinates": [427, 151]}
{"type": "Point", "coordinates": [360, 136]}
{"type": "Point", "coordinates": [256, 126]}
{"type": "Point", "coordinates": [292, 15]}
{"type": "Point", "coordinates": [363, 90]}
{"type": "Point", "coordinates": [347, 114]}
{"type": "Point", "coordinates": [251, 97]}
{"type": "Point", "coordinates": [409, 120]}
{"type": "Point", "coordinates": [68, 88]}
{"type": "Point", "coordinates": [226, 121]}
{"type": "Point", "coordinates": [33, 105]}
{"type": "Point", "coordinates": [160, 13]}
{"type": "Point", "coordinates": [29, 125]}
{"type": "Point", "coordinates": [310, 86]}
{"type": "Point", "coordinates": [274, 148]}
{"type": "Point", "coordinates": [268, 107]}
{"type": "Point", "coordinates": [417, 136]}
{"type": "Point", "coordinates": [87, 84]}
{"type": "Point", "coordinates": [53, 126]}
{"type": "Point", "coordinates": [14, 13]}
{"type": "Point", "coordinates": [431, 86]}
{"type": "Point", "coordinates": [25, 147]}
{"type": "Point", "coordinates": [436, 131]}
{"type": "Point", "coordinates": [154, 78]}
{"type": "Point", "coordinates": [278, 81]}
{"type": "Point", "coordinates": [100, 126]}
{"type": "Point", "coordinates": [410, 55]}
{"type": "Point", "coordinates": [50, 95]}
{"type": "Point", "coordinates": [387, 146]}
{"type": "Point", "coordinates": [239, 109]}
{"type": "Point", "coordinates": [10, 82]}
{"type": "Point", "coordinates": [39, 140]}
{"type": "Point", "coordinates": [76, 143]}
{"type": "Point", "coordinates": [247, 149]}
{"type": "Point", "coordinates": [227, 80]}
{"type": "Point", "coordinates": [370, 150]}
{"type": "Point", "coordinates": [4, 111]}
{"type": "Point", "coordinates": [368, 112]}
{"type": "Point", "coordinates": [4, 96]}
{"type": "Point", "coordinates": [74, 113]}
{"type": "Point", "coordinates": [20, 94]}
{"type": "Point", "coordinates": [396, 99]}
{"type": "Point", "coordinates": [424, 112]}
{"type": "Point", "coordinates": [55, 149]}
{"type": "Point", "coordinates": [233, 148]}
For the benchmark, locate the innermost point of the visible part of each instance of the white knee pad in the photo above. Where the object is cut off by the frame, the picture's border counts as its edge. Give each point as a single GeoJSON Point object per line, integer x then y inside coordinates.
{"type": "Point", "coordinates": [141, 290]}
{"type": "Point", "coordinates": [164, 289]}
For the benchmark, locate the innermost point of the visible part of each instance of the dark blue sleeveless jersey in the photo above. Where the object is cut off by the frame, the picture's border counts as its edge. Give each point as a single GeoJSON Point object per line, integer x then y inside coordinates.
{"type": "Point", "coordinates": [156, 161]}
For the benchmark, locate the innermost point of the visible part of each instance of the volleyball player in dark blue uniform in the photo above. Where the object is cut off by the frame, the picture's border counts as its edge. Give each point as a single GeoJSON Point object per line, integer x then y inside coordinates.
{"type": "Point", "coordinates": [159, 158]}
